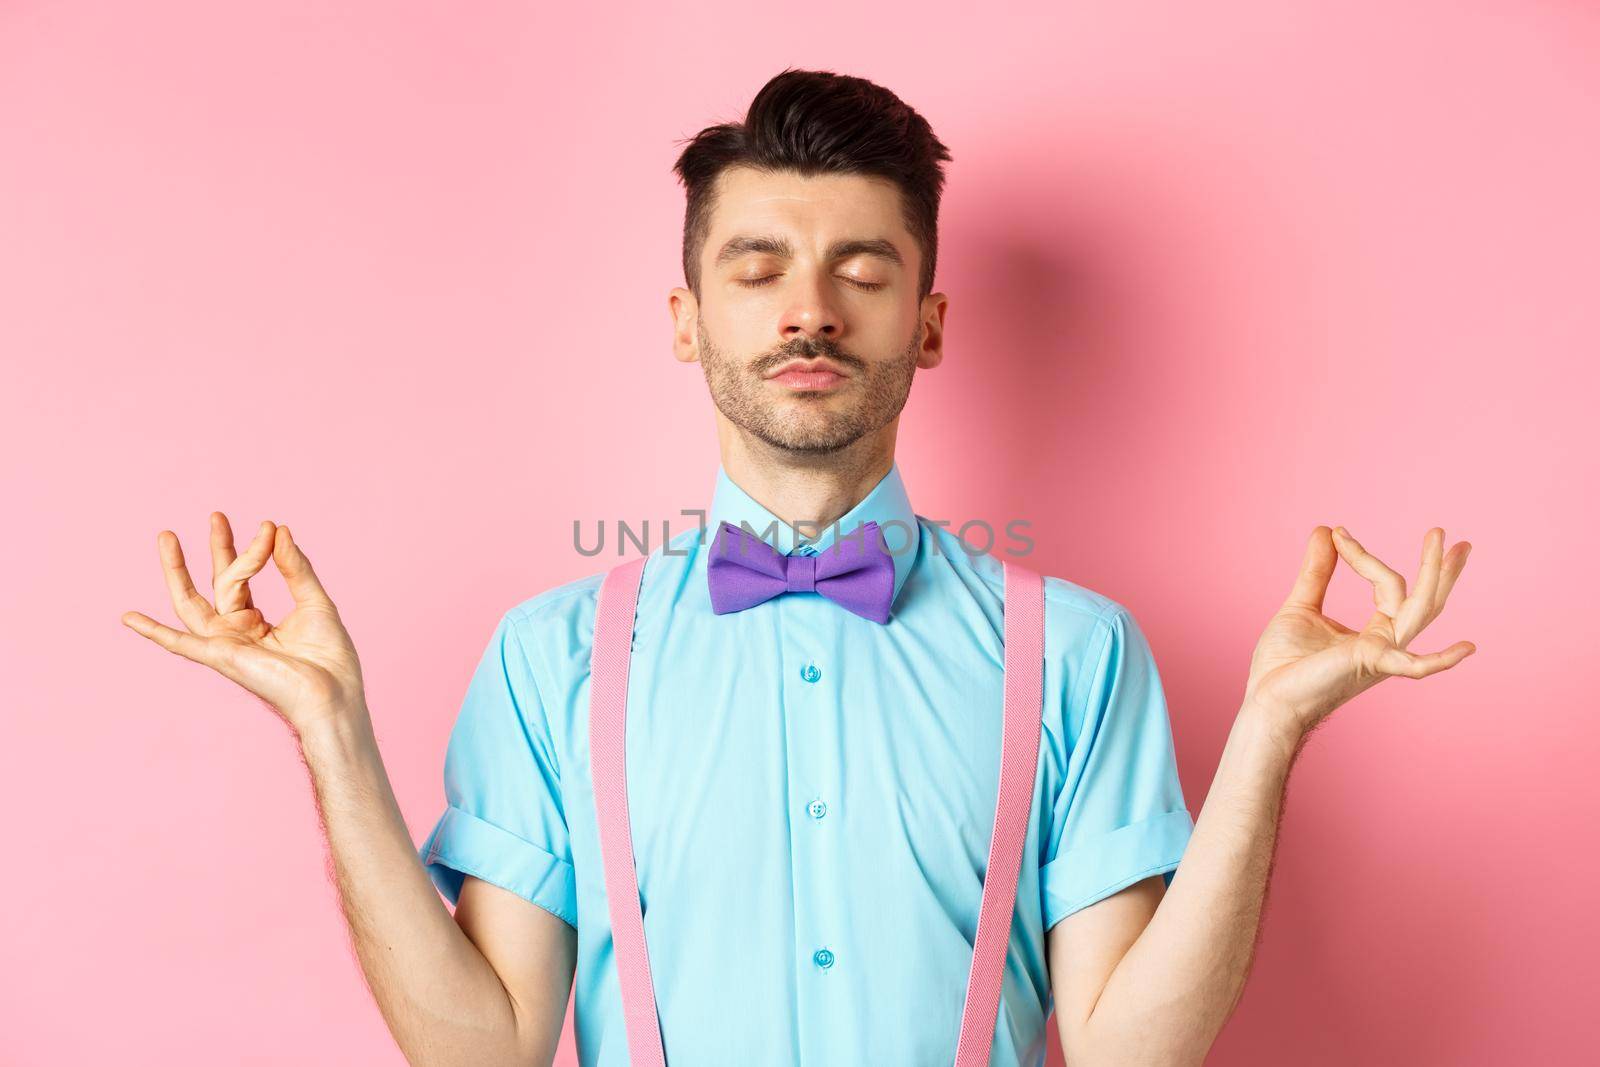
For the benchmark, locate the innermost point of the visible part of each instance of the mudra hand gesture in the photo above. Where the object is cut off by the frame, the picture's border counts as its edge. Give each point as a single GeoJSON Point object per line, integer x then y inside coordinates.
{"type": "Point", "coordinates": [1306, 664]}
{"type": "Point", "coordinates": [304, 668]}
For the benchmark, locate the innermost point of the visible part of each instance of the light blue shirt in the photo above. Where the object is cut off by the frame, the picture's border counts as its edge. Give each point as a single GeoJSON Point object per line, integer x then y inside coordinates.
{"type": "Point", "coordinates": [811, 796]}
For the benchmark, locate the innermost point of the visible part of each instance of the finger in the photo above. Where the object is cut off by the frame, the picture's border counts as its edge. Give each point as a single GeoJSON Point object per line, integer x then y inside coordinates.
{"type": "Point", "coordinates": [1388, 588]}
{"type": "Point", "coordinates": [1400, 663]}
{"type": "Point", "coordinates": [1417, 611]}
{"type": "Point", "coordinates": [1454, 561]}
{"type": "Point", "coordinates": [222, 553]}
{"type": "Point", "coordinates": [195, 611]}
{"type": "Point", "coordinates": [233, 589]}
{"type": "Point", "coordinates": [186, 645]}
{"type": "Point", "coordinates": [297, 573]}
{"type": "Point", "coordinates": [1316, 568]}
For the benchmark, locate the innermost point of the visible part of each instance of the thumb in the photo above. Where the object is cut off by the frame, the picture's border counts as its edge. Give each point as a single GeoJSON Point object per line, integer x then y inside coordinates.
{"type": "Point", "coordinates": [296, 570]}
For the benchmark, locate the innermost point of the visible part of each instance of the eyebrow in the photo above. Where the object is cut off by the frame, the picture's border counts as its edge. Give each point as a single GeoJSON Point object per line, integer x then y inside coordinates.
{"type": "Point", "coordinates": [768, 244]}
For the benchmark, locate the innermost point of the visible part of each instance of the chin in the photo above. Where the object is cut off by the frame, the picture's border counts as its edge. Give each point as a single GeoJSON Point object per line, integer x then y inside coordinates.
{"type": "Point", "coordinates": [820, 438]}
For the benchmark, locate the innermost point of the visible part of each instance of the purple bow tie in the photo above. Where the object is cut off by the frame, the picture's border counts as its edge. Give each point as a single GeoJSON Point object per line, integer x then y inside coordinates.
{"type": "Point", "coordinates": [855, 572]}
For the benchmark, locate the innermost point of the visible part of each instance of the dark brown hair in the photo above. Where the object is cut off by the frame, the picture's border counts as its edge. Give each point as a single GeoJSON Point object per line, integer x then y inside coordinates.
{"type": "Point", "coordinates": [819, 122]}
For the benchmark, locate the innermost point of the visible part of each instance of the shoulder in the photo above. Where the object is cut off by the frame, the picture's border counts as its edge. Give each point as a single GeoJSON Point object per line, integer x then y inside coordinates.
{"type": "Point", "coordinates": [553, 629]}
{"type": "Point", "coordinates": [1077, 617]}
{"type": "Point", "coordinates": [1084, 619]}
{"type": "Point", "coordinates": [1087, 632]}
{"type": "Point", "coordinates": [557, 603]}
{"type": "Point", "coordinates": [556, 626]}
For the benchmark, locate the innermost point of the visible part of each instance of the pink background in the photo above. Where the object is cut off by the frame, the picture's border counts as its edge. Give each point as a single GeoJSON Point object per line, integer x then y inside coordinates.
{"type": "Point", "coordinates": [1216, 277]}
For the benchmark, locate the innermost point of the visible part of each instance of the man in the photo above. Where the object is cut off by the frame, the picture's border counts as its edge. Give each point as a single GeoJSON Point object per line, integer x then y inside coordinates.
{"type": "Point", "coordinates": [812, 779]}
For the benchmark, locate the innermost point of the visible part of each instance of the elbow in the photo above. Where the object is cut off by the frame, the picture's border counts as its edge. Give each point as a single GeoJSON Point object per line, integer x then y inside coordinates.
{"type": "Point", "coordinates": [1082, 1046]}
{"type": "Point", "coordinates": [1130, 1058]}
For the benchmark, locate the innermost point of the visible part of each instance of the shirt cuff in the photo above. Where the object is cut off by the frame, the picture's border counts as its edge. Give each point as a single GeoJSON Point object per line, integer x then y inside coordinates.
{"type": "Point", "coordinates": [462, 844]}
{"type": "Point", "coordinates": [1094, 869]}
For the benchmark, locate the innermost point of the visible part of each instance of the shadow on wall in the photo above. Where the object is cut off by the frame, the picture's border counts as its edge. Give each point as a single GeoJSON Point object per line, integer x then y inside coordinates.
{"type": "Point", "coordinates": [1054, 363]}
{"type": "Point", "coordinates": [1077, 346]}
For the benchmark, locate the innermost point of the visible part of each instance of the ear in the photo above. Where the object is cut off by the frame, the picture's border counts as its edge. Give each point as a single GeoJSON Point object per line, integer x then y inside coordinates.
{"type": "Point", "coordinates": [931, 351]}
{"type": "Point", "coordinates": [685, 338]}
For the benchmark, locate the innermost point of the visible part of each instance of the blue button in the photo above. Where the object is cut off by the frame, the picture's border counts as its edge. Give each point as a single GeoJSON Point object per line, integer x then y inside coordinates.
{"type": "Point", "coordinates": [811, 672]}
{"type": "Point", "coordinates": [822, 958]}
{"type": "Point", "coordinates": [817, 809]}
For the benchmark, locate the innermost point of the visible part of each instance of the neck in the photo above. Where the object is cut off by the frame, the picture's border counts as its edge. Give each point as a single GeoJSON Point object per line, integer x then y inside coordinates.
{"type": "Point", "coordinates": [808, 492]}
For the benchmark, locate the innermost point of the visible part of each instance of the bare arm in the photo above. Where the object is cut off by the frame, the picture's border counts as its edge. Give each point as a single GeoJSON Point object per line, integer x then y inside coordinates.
{"type": "Point", "coordinates": [1166, 997]}
{"type": "Point", "coordinates": [1085, 947]}
{"type": "Point", "coordinates": [1152, 979]}
{"type": "Point", "coordinates": [487, 986]}
{"type": "Point", "coordinates": [434, 977]}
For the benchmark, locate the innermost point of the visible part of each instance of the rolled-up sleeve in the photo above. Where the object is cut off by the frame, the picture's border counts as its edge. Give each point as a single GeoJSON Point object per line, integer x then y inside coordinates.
{"type": "Point", "coordinates": [504, 821]}
{"type": "Point", "coordinates": [1120, 815]}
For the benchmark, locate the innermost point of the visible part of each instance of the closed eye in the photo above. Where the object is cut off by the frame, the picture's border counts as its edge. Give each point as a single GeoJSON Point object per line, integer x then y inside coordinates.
{"type": "Point", "coordinates": [754, 283]}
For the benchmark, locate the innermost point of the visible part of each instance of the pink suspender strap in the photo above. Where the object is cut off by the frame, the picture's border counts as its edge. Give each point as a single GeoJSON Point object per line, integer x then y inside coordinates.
{"type": "Point", "coordinates": [1019, 757]}
{"type": "Point", "coordinates": [1019, 754]}
{"type": "Point", "coordinates": [608, 712]}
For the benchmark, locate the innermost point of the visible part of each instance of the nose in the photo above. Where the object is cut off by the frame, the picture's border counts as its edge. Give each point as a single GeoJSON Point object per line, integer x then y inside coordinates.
{"type": "Point", "coordinates": [812, 312]}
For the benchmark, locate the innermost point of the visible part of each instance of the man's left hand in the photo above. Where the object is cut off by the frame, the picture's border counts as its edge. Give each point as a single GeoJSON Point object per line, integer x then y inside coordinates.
{"type": "Point", "coordinates": [1306, 664]}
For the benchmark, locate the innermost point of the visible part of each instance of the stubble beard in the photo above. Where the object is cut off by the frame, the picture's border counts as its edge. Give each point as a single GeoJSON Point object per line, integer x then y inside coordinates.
{"type": "Point", "coordinates": [805, 422]}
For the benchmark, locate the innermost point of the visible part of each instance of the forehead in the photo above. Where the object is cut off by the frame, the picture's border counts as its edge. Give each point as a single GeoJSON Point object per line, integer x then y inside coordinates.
{"type": "Point", "coordinates": [822, 205]}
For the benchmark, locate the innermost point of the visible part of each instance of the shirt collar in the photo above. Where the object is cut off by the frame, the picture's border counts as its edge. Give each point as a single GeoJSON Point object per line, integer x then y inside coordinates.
{"type": "Point", "coordinates": [886, 504]}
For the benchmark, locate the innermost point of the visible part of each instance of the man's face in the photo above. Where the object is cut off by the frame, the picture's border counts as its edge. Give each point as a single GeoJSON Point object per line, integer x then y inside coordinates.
{"type": "Point", "coordinates": [819, 271]}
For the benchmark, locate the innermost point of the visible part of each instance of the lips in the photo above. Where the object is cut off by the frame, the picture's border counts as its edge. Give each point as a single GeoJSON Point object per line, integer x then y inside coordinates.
{"type": "Point", "coordinates": [810, 367]}
{"type": "Point", "coordinates": [808, 379]}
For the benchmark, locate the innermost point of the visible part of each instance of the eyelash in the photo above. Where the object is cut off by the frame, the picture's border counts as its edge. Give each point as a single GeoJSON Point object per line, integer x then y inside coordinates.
{"type": "Point", "coordinates": [755, 283]}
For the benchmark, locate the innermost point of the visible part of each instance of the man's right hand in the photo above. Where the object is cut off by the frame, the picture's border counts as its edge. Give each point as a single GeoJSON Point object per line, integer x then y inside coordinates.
{"type": "Point", "coordinates": [304, 668]}
{"type": "Point", "coordinates": [445, 1000]}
